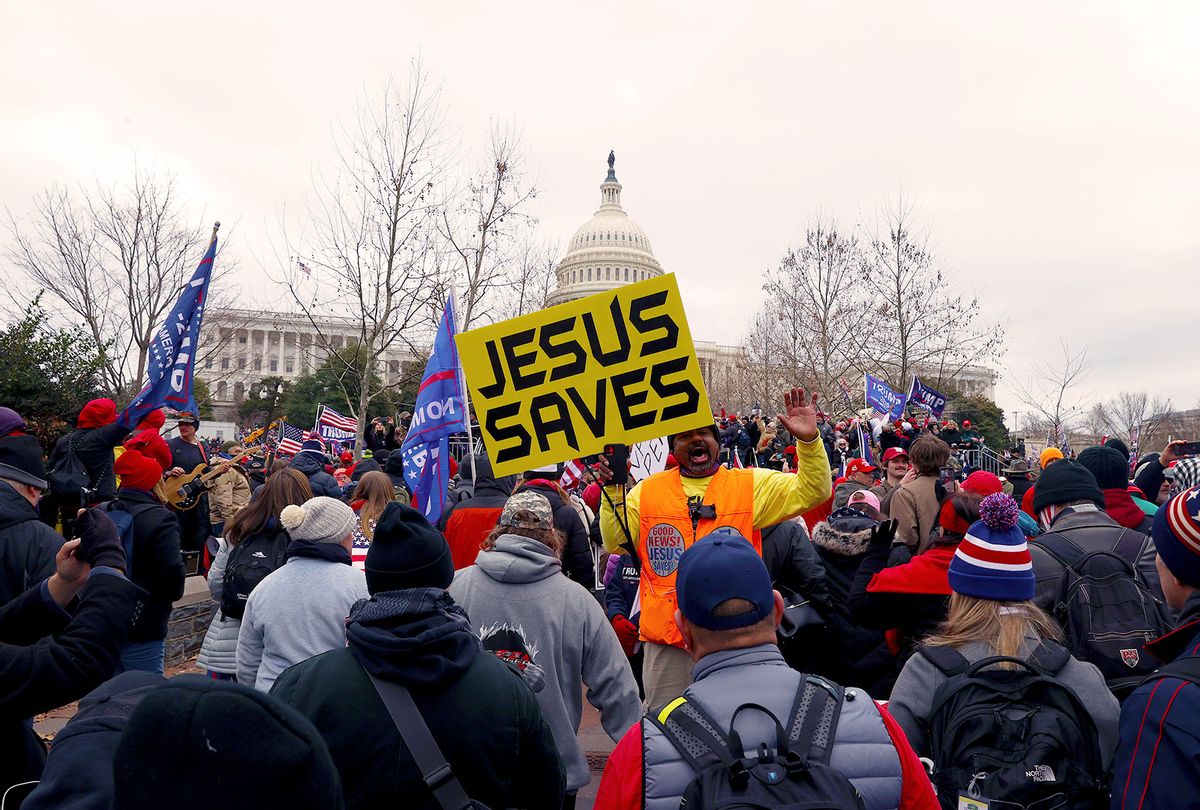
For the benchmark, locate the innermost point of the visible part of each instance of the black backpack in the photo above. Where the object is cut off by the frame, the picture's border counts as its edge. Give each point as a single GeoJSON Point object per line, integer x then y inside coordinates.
{"type": "Point", "coordinates": [1012, 737]}
{"type": "Point", "coordinates": [69, 477]}
{"type": "Point", "coordinates": [1107, 610]}
{"type": "Point", "coordinates": [248, 564]}
{"type": "Point", "coordinates": [122, 515]}
{"type": "Point", "coordinates": [796, 774]}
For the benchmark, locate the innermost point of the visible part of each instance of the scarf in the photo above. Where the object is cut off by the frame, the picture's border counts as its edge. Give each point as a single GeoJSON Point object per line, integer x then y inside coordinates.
{"type": "Point", "coordinates": [413, 636]}
{"type": "Point", "coordinates": [331, 552]}
{"type": "Point", "coordinates": [1120, 507]}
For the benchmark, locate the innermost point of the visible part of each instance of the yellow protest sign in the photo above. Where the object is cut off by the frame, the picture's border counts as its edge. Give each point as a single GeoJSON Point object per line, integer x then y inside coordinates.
{"type": "Point", "coordinates": [557, 384]}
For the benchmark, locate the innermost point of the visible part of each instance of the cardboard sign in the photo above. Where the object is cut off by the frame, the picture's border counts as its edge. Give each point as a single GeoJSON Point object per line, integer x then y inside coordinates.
{"type": "Point", "coordinates": [558, 384]}
{"type": "Point", "coordinates": [649, 457]}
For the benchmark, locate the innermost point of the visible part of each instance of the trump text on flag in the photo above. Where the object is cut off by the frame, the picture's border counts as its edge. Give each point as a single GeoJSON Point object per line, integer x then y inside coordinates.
{"type": "Point", "coordinates": [557, 384]}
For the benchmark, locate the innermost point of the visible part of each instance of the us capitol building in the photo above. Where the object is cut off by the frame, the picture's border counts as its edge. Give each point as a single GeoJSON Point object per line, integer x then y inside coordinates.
{"type": "Point", "coordinates": [611, 250]}
{"type": "Point", "coordinates": [606, 252]}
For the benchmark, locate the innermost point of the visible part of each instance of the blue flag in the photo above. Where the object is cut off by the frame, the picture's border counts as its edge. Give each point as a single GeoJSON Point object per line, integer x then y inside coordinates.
{"type": "Point", "coordinates": [864, 445]}
{"type": "Point", "coordinates": [171, 355]}
{"type": "Point", "coordinates": [926, 397]}
{"type": "Point", "coordinates": [438, 414]}
{"type": "Point", "coordinates": [882, 398]}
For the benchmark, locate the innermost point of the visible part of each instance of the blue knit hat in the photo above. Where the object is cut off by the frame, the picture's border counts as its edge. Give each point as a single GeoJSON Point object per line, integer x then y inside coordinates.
{"type": "Point", "coordinates": [992, 561]}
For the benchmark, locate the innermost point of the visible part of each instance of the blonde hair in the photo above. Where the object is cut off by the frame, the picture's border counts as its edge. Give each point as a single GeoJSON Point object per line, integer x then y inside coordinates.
{"type": "Point", "coordinates": [1001, 625]}
{"type": "Point", "coordinates": [375, 488]}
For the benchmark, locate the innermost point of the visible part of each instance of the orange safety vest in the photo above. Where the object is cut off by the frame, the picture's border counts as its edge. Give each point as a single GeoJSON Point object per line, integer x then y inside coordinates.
{"type": "Point", "coordinates": [665, 529]}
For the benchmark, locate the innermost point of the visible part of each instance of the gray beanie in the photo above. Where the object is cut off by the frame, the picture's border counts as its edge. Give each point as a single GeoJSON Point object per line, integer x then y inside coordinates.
{"type": "Point", "coordinates": [318, 520]}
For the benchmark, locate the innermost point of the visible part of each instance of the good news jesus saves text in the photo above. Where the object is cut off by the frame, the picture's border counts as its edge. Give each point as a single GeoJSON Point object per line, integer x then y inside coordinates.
{"type": "Point", "coordinates": [564, 356]}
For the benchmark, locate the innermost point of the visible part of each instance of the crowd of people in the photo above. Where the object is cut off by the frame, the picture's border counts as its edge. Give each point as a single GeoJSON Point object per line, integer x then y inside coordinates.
{"type": "Point", "coordinates": [773, 619]}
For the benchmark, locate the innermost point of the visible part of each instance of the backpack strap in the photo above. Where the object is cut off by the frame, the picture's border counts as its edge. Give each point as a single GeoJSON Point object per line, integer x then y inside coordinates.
{"type": "Point", "coordinates": [1050, 657]}
{"type": "Point", "coordinates": [813, 719]}
{"type": "Point", "coordinates": [1129, 547]}
{"type": "Point", "coordinates": [1064, 552]}
{"type": "Point", "coordinates": [693, 733]}
{"type": "Point", "coordinates": [430, 760]}
{"type": "Point", "coordinates": [1185, 669]}
{"type": "Point", "coordinates": [949, 661]}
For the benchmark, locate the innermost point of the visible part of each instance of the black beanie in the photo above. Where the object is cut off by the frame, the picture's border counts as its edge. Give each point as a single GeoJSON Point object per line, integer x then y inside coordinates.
{"type": "Point", "coordinates": [1065, 481]}
{"type": "Point", "coordinates": [1119, 446]}
{"type": "Point", "coordinates": [407, 552]}
{"type": "Point", "coordinates": [21, 460]}
{"type": "Point", "coordinates": [1110, 468]}
{"type": "Point", "coordinates": [182, 745]}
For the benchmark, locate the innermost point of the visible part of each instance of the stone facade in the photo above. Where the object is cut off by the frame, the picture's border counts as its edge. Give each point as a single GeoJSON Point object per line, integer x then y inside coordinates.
{"type": "Point", "coordinates": [189, 622]}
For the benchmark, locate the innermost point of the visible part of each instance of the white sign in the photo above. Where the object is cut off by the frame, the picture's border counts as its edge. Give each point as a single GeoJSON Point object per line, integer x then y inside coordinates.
{"type": "Point", "coordinates": [648, 457]}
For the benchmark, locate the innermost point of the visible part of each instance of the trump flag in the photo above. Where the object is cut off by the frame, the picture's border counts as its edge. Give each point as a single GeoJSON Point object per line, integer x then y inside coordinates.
{"type": "Point", "coordinates": [438, 415]}
{"type": "Point", "coordinates": [171, 356]}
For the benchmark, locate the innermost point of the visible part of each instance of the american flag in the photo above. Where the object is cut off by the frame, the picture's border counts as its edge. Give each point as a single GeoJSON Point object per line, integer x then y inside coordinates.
{"type": "Point", "coordinates": [291, 438]}
{"type": "Point", "coordinates": [334, 419]}
{"type": "Point", "coordinates": [304, 268]}
{"type": "Point", "coordinates": [571, 474]}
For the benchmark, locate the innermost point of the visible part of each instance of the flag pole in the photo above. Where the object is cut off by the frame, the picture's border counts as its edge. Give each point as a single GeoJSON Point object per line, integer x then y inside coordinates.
{"type": "Point", "coordinates": [462, 384]}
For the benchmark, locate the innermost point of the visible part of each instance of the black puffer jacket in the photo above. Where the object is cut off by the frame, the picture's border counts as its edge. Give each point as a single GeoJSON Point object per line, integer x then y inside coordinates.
{"type": "Point", "coordinates": [854, 654]}
{"type": "Point", "coordinates": [94, 447]}
{"type": "Point", "coordinates": [27, 546]}
{"type": "Point", "coordinates": [312, 467]}
{"type": "Point", "coordinates": [576, 554]}
{"type": "Point", "coordinates": [157, 565]}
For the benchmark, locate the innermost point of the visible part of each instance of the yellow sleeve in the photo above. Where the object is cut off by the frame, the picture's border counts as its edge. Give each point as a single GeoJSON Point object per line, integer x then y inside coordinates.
{"type": "Point", "coordinates": [780, 496]}
{"type": "Point", "coordinates": [613, 514]}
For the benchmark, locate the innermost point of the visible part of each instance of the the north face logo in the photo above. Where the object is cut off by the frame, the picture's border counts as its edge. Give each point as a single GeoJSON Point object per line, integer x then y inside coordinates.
{"type": "Point", "coordinates": [1040, 773]}
{"type": "Point", "coordinates": [1130, 657]}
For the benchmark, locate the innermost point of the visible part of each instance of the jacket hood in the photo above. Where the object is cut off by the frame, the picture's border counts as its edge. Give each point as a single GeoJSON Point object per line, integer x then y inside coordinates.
{"type": "Point", "coordinates": [844, 543]}
{"type": "Point", "coordinates": [1119, 505]}
{"type": "Point", "coordinates": [308, 463]}
{"type": "Point", "coordinates": [1175, 643]}
{"type": "Point", "coordinates": [14, 508]}
{"type": "Point", "coordinates": [486, 483]}
{"type": "Point", "coordinates": [417, 636]}
{"type": "Point", "coordinates": [518, 559]}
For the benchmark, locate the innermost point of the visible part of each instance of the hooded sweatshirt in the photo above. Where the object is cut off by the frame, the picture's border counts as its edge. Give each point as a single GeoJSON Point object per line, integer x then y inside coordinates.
{"type": "Point", "coordinates": [470, 520]}
{"type": "Point", "coordinates": [554, 631]}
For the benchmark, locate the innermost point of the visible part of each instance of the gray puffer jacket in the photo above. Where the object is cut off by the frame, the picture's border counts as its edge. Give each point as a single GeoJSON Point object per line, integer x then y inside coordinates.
{"type": "Point", "coordinates": [218, 652]}
{"type": "Point", "coordinates": [862, 748]}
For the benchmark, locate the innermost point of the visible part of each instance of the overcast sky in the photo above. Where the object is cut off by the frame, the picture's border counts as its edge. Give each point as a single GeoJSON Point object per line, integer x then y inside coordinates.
{"type": "Point", "coordinates": [1051, 148]}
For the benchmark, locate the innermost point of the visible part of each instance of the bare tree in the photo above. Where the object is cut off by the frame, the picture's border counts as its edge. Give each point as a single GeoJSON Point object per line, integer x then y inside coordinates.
{"type": "Point", "coordinates": [1052, 394]}
{"type": "Point", "coordinates": [532, 278]}
{"type": "Point", "coordinates": [919, 324]}
{"type": "Point", "coordinates": [816, 297]}
{"type": "Point", "coordinates": [370, 260]}
{"type": "Point", "coordinates": [116, 258]}
{"type": "Point", "coordinates": [482, 225]}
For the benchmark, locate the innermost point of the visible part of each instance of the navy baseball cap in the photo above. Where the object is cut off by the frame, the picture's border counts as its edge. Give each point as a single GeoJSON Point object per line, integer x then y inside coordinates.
{"type": "Point", "coordinates": [721, 566]}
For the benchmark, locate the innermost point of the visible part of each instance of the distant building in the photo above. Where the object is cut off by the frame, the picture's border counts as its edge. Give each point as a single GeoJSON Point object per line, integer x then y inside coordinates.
{"type": "Point", "coordinates": [249, 345]}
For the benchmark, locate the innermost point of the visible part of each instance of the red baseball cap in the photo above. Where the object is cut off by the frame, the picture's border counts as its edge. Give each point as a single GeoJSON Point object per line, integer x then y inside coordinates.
{"type": "Point", "coordinates": [892, 452]}
{"type": "Point", "coordinates": [858, 465]}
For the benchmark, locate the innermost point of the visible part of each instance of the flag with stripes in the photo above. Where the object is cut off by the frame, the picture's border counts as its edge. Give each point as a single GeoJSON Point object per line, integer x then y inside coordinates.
{"type": "Point", "coordinates": [864, 446]}
{"type": "Point", "coordinates": [571, 474]}
{"type": "Point", "coordinates": [335, 420]}
{"type": "Point", "coordinates": [291, 438]}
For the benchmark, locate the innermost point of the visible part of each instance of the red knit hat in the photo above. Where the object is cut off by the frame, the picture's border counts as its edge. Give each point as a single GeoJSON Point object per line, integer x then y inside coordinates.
{"type": "Point", "coordinates": [97, 413]}
{"type": "Point", "coordinates": [983, 483]}
{"type": "Point", "coordinates": [152, 421]}
{"type": "Point", "coordinates": [150, 444]}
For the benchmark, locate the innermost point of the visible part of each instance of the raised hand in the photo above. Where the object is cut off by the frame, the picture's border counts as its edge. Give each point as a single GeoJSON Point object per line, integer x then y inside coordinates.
{"type": "Point", "coordinates": [800, 417]}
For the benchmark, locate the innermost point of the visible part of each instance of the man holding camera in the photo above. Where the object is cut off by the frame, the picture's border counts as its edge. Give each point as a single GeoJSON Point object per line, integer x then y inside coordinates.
{"type": "Point", "coordinates": [664, 514]}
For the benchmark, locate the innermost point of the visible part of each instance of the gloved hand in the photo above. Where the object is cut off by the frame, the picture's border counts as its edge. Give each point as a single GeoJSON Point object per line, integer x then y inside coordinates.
{"type": "Point", "coordinates": [101, 541]}
{"type": "Point", "coordinates": [883, 534]}
{"type": "Point", "coordinates": [627, 633]}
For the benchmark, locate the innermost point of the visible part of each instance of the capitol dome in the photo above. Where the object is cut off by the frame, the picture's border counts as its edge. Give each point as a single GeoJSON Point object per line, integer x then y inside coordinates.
{"type": "Point", "coordinates": [608, 251]}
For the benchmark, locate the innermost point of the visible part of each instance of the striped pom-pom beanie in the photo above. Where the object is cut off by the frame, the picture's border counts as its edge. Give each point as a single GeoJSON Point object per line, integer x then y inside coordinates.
{"type": "Point", "coordinates": [1176, 535]}
{"type": "Point", "coordinates": [992, 561]}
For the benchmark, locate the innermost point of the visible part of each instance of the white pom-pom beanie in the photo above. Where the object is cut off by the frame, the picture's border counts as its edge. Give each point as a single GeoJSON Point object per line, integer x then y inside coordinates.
{"type": "Point", "coordinates": [318, 520]}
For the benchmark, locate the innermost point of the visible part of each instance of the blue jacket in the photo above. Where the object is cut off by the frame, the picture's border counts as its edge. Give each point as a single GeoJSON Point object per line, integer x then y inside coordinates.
{"type": "Point", "coordinates": [312, 467]}
{"type": "Point", "coordinates": [1159, 753]}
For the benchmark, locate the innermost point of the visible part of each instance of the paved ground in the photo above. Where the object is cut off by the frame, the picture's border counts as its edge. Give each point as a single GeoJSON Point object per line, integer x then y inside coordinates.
{"type": "Point", "coordinates": [592, 738]}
